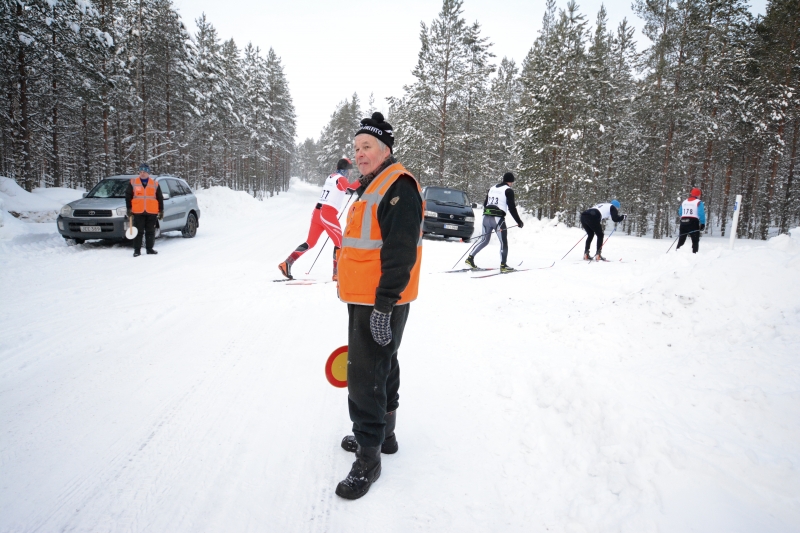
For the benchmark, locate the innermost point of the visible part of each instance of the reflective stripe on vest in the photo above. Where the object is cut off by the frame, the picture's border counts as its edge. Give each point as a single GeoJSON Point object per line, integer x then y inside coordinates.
{"type": "Point", "coordinates": [359, 268]}
{"type": "Point", "coordinates": [144, 198]}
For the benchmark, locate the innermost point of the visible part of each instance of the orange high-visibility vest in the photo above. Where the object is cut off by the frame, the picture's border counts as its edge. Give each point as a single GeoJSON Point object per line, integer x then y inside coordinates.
{"type": "Point", "coordinates": [360, 256]}
{"type": "Point", "coordinates": [144, 198]}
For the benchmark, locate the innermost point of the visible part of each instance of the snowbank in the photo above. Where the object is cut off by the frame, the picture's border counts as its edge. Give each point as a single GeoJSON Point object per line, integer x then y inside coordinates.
{"type": "Point", "coordinates": [59, 195]}
{"type": "Point", "coordinates": [42, 205]}
{"type": "Point", "coordinates": [224, 202]}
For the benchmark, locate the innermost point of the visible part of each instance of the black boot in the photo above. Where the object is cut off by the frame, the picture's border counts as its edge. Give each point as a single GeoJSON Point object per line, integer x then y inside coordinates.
{"type": "Point", "coordinates": [365, 471]}
{"type": "Point", "coordinates": [389, 445]}
{"type": "Point", "coordinates": [286, 269]}
{"type": "Point", "coordinates": [137, 252]}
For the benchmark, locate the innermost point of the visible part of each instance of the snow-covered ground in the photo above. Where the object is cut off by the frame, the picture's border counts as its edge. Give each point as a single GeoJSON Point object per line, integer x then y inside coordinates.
{"type": "Point", "coordinates": [186, 391]}
{"type": "Point", "coordinates": [41, 205]}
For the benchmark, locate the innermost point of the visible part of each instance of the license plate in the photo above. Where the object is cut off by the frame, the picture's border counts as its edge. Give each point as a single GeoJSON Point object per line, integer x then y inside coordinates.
{"type": "Point", "coordinates": [450, 226]}
{"type": "Point", "coordinates": [90, 229]}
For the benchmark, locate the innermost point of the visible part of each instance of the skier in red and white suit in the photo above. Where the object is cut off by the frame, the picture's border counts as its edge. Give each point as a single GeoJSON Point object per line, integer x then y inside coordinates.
{"type": "Point", "coordinates": [326, 216]}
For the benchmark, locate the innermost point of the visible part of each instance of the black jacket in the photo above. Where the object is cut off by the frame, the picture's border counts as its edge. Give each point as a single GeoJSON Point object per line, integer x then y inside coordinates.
{"type": "Point", "coordinates": [129, 197]}
{"type": "Point", "coordinates": [401, 224]}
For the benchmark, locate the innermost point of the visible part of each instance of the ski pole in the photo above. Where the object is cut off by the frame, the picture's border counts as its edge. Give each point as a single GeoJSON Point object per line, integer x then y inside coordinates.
{"type": "Point", "coordinates": [482, 234]}
{"type": "Point", "coordinates": [328, 237]}
{"type": "Point", "coordinates": [609, 235]}
{"type": "Point", "coordinates": [465, 253]}
{"type": "Point", "coordinates": [475, 243]}
{"type": "Point", "coordinates": [679, 236]}
{"type": "Point", "coordinates": [576, 244]}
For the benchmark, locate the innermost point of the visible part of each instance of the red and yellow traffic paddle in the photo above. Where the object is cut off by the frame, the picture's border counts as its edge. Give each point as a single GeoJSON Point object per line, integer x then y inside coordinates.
{"type": "Point", "coordinates": [336, 368]}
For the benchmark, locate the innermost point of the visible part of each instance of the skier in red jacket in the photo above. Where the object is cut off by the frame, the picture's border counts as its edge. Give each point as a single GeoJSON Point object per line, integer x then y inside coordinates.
{"type": "Point", "coordinates": [325, 216]}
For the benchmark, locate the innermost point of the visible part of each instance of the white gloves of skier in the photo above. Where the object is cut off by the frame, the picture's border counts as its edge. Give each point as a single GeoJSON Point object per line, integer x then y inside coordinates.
{"type": "Point", "coordinates": [380, 326]}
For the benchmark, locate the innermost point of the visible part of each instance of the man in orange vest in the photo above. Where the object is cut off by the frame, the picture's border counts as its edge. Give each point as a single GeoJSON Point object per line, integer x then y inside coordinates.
{"type": "Point", "coordinates": [145, 202]}
{"type": "Point", "coordinates": [379, 266]}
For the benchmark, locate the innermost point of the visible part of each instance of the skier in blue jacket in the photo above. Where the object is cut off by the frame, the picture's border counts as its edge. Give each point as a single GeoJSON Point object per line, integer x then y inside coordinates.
{"type": "Point", "coordinates": [693, 219]}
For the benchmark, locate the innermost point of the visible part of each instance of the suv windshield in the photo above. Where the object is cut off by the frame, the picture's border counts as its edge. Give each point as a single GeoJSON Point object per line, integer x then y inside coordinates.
{"type": "Point", "coordinates": [109, 189]}
{"type": "Point", "coordinates": [446, 196]}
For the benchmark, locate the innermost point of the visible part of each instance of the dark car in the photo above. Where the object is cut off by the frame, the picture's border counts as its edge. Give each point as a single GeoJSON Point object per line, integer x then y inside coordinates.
{"type": "Point", "coordinates": [448, 213]}
{"type": "Point", "coordinates": [101, 213]}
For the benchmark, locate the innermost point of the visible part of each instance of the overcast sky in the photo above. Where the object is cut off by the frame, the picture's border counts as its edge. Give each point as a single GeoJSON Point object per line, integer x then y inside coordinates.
{"type": "Point", "coordinates": [331, 49]}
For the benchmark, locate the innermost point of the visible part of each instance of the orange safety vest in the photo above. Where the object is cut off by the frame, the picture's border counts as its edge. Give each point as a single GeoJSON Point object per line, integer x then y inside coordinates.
{"type": "Point", "coordinates": [144, 198]}
{"type": "Point", "coordinates": [360, 257]}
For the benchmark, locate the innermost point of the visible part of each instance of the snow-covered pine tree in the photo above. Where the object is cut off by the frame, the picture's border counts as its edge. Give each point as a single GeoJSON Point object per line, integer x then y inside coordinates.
{"type": "Point", "coordinates": [425, 118]}
{"type": "Point", "coordinates": [551, 120]}
{"type": "Point", "coordinates": [500, 110]}
{"type": "Point", "coordinates": [336, 138]}
{"type": "Point", "coordinates": [281, 115]}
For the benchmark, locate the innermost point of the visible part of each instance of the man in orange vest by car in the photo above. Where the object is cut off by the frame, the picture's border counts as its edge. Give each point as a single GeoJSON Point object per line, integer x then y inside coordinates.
{"type": "Point", "coordinates": [145, 202]}
{"type": "Point", "coordinates": [379, 265]}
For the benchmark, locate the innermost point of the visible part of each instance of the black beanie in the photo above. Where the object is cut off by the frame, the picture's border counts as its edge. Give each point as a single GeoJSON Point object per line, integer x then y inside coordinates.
{"type": "Point", "coordinates": [508, 177]}
{"type": "Point", "coordinates": [344, 164]}
{"type": "Point", "coordinates": [378, 128]}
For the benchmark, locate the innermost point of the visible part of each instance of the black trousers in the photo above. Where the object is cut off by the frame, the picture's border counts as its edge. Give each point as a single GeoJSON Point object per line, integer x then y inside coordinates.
{"type": "Point", "coordinates": [146, 224]}
{"type": "Point", "coordinates": [593, 226]}
{"type": "Point", "coordinates": [373, 374]}
{"type": "Point", "coordinates": [497, 225]}
{"type": "Point", "coordinates": [689, 225]}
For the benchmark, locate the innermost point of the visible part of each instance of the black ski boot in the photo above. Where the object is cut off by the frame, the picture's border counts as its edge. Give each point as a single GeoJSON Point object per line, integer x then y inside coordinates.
{"type": "Point", "coordinates": [365, 471]}
{"type": "Point", "coordinates": [599, 257]}
{"type": "Point", "coordinates": [470, 261]}
{"type": "Point", "coordinates": [286, 269]}
{"type": "Point", "coordinates": [389, 445]}
{"type": "Point", "coordinates": [586, 256]}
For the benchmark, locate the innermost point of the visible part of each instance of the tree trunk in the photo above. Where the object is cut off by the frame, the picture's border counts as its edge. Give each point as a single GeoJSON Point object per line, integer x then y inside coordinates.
{"type": "Point", "coordinates": [86, 158]}
{"type": "Point", "coordinates": [727, 191]}
{"type": "Point", "coordinates": [790, 179]}
{"type": "Point", "coordinates": [27, 177]}
{"type": "Point", "coordinates": [55, 166]}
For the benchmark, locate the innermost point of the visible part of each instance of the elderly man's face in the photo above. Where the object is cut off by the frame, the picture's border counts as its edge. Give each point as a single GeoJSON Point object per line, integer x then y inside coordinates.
{"type": "Point", "coordinates": [369, 154]}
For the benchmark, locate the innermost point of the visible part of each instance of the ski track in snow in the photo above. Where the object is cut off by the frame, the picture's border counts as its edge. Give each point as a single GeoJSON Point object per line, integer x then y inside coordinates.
{"type": "Point", "coordinates": [186, 392]}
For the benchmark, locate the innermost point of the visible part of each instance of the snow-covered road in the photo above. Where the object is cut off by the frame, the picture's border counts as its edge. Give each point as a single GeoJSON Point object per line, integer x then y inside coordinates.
{"type": "Point", "coordinates": [185, 392]}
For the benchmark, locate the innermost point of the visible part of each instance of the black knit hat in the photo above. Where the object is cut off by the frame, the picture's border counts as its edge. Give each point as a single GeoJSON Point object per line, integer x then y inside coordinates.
{"type": "Point", "coordinates": [344, 164]}
{"type": "Point", "coordinates": [378, 128]}
{"type": "Point", "coordinates": [508, 177]}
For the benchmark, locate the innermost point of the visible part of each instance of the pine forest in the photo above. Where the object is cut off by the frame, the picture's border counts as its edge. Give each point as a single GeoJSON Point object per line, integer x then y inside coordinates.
{"type": "Point", "coordinates": [92, 89]}
{"type": "Point", "coordinates": [711, 101]}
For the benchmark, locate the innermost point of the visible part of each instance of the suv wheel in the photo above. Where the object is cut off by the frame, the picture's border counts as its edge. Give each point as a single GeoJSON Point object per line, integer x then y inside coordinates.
{"type": "Point", "coordinates": [190, 229]}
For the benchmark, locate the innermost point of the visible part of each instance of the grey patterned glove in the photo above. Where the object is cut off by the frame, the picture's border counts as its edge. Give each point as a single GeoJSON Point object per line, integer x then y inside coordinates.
{"type": "Point", "coordinates": [381, 327]}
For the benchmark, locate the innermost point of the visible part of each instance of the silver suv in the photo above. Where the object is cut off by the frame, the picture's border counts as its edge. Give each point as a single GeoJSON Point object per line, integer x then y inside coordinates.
{"type": "Point", "coordinates": [101, 213]}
